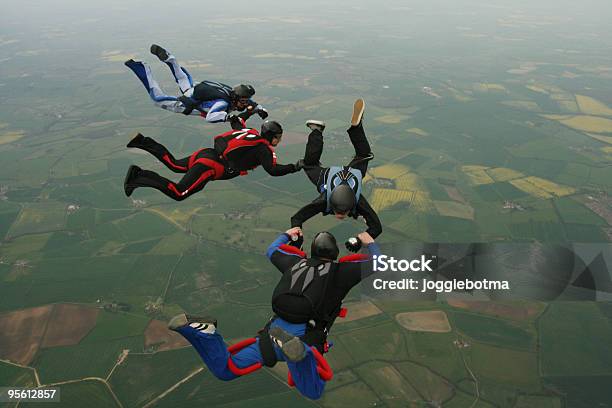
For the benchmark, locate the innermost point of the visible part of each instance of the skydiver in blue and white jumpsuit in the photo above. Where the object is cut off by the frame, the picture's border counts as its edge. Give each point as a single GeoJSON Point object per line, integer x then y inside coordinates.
{"type": "Point", "coordinates": [212, 100]}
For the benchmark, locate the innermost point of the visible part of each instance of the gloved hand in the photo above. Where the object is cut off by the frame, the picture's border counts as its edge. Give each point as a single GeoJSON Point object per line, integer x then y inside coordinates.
{"type": "Point", "coordinates": [353, 244]}
{"type": "Point", "coordinates": [235, 122]}
{"type": "Point", "coordinates": [299, 165]}
{"type": "Point", "coordinates": [245, 115]}
{"type": "Point", "coordinates": [297, 237]}
{"type": "Point", "coordinates": [188, 103]}
{"type": "Point", "coordinates": [262, 113]}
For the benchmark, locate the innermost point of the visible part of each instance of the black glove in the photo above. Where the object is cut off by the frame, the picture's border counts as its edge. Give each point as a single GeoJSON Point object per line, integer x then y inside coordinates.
{"type": "Point", "coordinates": [298, 242]}
{"type": "Point", "coordinates": [188, 103]}
{"type": "Point", "coordinates": [262, 113]}
{"type": "Point", "coordinates": [235, 122]}
{"type": "Point", "coordinates": [299, 165]}
{"type": "Point", "coordinates": [245, 115]}
{"type": "Point", "coordinates": [353, 244]}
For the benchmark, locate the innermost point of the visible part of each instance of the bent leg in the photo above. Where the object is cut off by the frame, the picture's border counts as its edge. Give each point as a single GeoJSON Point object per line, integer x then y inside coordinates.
{"type": "Point", "coordinates": [194, 180]}
{"type": "Point", "coordinates": [213, 351]}
{"type": "Point", "coordinates": [362, 148]}
{"type": "Point", "coordinates": [316, 175]}
{"type": "Point", "coordinates": [161, 153]}
{"type": "Point", "coordinates": [306, 377]}
{"type": "Point", "coordinates": [143, 72]}
{"type": "Point", "coordinates": [314, 149]}
{"type": "Point", "coordinates": [359, 140]}
{"type": "Point", "coordinates": [312, 157]}
{"type": "Point", "coordinates": [181, 76]}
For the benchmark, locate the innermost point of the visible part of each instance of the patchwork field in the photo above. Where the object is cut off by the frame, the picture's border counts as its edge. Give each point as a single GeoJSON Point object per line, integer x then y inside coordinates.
{"type": "Point", "coordinates": [157, 335]}
{"type": "Point", "coordinates": [591, 106]}
{"type": "Point", "coordinates": [510, 310]}
{"type": "Point", "coordinates": [22, 333]}
{"type": "Point", "coordinates": [69, 324]}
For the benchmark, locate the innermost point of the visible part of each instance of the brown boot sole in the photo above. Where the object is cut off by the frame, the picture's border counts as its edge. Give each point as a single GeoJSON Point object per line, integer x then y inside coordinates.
{"type": "Point", "coordinates": [358, 109]}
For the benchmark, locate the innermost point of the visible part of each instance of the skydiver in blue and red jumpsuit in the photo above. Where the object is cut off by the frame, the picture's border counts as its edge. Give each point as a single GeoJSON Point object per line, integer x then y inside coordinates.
{"type": "Point", "coordinates": [297, 333]}
{"type": "Point", "coordinates": [234, 153]}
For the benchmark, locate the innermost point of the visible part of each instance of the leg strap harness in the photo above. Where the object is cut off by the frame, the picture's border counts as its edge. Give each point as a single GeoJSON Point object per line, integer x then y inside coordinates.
{"type": "Point", "coordinates": [269, 357]}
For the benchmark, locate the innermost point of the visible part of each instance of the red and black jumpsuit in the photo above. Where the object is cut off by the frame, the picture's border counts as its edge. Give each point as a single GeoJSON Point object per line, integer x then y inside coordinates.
{"type": "Point", "coordinates": [235, 152]}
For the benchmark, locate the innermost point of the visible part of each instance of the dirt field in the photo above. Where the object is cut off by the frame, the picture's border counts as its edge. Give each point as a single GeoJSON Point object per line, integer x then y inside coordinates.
{"type": "Point", "coordinates": [157, 333]}
{"type": "Point", "coordinates": [68, 325]}
{"type": "Point", "coordinates": [515, 311]}
{"type": "Point", "coordinates": [454, 194]}
{"type": "Point", "coordinates": [359, 310]}
{"type": "Point", "coordinates": [25, 331]}
{"type": "Point", "coordinates": [22, 332]}
{"type": "Point", "coordinates": [434, 321]}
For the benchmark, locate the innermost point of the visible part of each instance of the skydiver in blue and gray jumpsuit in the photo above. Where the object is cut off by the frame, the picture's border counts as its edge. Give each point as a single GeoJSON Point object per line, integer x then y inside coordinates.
{"type": "Point", "coordinates": [212, 100]}
{"type": "Point", "coordinates": [339, 187]}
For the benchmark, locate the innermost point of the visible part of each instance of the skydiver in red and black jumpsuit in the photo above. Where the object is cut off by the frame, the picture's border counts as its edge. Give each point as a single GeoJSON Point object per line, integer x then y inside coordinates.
{"type": "Point", "coordinates": [234, 153]}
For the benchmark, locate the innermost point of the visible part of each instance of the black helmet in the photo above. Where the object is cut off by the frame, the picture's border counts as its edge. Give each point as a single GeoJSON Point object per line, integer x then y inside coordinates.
{"type": "Point", "coordinates": [271, 129]}
{"type": "Point", "coordinates": [324, 246]}
{"type": "Point", "coordinates": [342, 199]}
{"type": "Point", "coordinates": [243, 91]}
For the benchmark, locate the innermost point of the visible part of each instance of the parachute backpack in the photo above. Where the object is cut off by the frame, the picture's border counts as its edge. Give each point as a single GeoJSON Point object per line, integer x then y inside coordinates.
{"type": "Point", "coordinates": [338, 176]}
{"type": "Point", "coordinates": [211, 90]}
{"type": "Point", "coordinates": [300, 294]}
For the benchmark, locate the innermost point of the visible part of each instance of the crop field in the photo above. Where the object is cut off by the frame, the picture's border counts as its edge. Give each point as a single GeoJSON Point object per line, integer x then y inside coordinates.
{"type": "Point", "coordinates": [591, 106]}
{"type": "Point", "coordinates": [425, 321]}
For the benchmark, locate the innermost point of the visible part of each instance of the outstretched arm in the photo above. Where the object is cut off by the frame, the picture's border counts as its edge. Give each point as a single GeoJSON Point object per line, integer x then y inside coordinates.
{"type": "Point", "coordinates": [217, 112]}
{"type": "Point", "coordinates": [252, 109]}
{"type": "Point", "coordinates": [308, 211]}
{"type": "Point", "coordinates": [281, 254]}
{"type": "Point", "coordinates": [371, 218]}
{"type": "Point", "coordinates": [354, 268]}
{"type": "Point", "coordinates": [268, 162]}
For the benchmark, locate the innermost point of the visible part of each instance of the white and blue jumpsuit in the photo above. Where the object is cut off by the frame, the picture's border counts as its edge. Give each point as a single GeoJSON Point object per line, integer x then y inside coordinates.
{"type": "Point", "coordinates": [215, 110]}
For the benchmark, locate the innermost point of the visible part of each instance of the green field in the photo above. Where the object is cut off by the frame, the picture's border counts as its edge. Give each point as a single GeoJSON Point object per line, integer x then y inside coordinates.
{"type": "Point", "coordinates": [580, 327]}
{"type": "Point", "coordinates": [143, 376]}
{"type": "Point", "coordinates": [17, 376]}
{"type": "Point", "coordinates": [115, 325]}
{"type": "Point", "coordinates": [494, 331]}
{"type": "Point", "coordinates": [84, 360]}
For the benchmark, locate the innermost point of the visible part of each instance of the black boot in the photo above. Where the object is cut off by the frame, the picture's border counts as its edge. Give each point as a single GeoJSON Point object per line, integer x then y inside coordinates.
{"type": "Point", "coordinates": [137, 141]}
{"type": "Point", "coordinates": [128, 183]}
{"type": "Point", "coordinates": [147, 144]}
{"type": "Point", "coordinates": [159, 52]}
